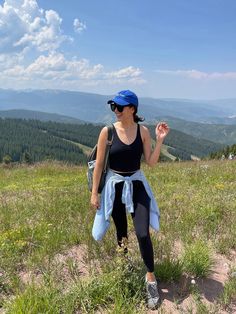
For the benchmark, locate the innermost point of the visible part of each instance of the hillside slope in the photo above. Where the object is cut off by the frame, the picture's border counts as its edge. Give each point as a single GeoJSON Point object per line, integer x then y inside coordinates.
{"type": "Point", "coordinates": [60, 141]}
{"type": "Point", "coordinates": [224, 133]}
{"type": "Point", "coordinates": [21, 142]}
{"type": "Point", "coordinates": [218, 133]}
{"type": "Point", "coordinates": [183, 145]}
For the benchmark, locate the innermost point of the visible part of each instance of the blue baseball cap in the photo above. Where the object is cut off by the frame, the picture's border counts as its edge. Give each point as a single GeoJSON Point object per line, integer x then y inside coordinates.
{"type": "Point", "coordinates": [124, 98]}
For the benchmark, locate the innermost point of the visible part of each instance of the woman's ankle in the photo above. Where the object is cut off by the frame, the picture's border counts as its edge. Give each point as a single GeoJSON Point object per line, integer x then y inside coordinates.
{"type": "Point", "coordinates": [123, 241]}
{"type": "Point", "coordinates": [123, 245]}
{"type": "Point", "coordinates": [150, 276]}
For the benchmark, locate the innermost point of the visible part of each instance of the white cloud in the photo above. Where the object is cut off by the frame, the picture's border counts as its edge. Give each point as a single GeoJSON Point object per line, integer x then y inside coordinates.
{"type": "Point", "coordinates": [195, 74]}
{"type": "Point", "coordinates": [79, 26]}
{"type": "Point", "coordinates": [7, 62]}
{"type": "Point", "coordinates": [30, 54]}
{"type": "Point", "coordinates": [129, 74]}
{"type": "Point", "coordinates": [23, 24]}
{"type": "Point", "coordinates": [126, 72]}
{"type": "Point", "coordinates": [57, 68]}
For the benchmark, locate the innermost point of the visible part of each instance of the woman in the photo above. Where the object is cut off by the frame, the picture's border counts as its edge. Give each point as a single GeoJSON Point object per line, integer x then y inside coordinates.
{"type": "Point", "coordinates": [126, 188]}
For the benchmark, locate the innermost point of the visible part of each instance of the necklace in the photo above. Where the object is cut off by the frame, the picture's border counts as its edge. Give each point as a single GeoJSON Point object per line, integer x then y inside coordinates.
{"type": "Point", "coordinates": [125, 129]}
{"type": "Point", "coordinates": [125, 137]}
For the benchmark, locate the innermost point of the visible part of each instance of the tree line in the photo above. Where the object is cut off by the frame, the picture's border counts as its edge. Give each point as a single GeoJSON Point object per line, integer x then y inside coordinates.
{"type": "Point", "coordinates": [183, 145]}
{"type": "Point", "coordinates": [225, 153]}
{"type": "Point", "coordinates": [24, 140]}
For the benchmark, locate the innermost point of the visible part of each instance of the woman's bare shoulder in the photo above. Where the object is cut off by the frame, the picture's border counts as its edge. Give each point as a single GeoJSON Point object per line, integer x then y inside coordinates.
{"type": "Point", "coordinates": [103, 133]}
{"type": "Point", "coordinates": [144, 130]}
{"type": "Point", "coordinates": [144, 133]}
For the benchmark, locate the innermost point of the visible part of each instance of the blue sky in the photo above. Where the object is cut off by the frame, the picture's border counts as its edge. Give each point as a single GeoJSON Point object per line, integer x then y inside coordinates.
{"type": "Point", "coordinates": [161, 49]}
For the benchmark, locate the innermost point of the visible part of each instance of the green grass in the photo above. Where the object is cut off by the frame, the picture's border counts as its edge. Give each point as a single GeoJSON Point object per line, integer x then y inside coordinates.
{"type": "Point", "coordinates": [44, 210]}
{"type": "Point", "coordinates": [169, 270]}
{"type": "Point", "coordinates": [197, 259]}
{"type": "Point", "coordinates": [229, 293]}
{"type": "Point", "coordinates": [112, 289]}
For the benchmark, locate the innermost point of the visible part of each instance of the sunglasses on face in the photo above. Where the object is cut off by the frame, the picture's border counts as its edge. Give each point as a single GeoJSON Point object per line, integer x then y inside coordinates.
{"type": "Point", "coordinates": [119, 108]}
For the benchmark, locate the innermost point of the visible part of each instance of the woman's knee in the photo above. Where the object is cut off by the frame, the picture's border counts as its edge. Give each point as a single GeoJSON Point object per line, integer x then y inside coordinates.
{"type": "Point", "coordinates": [143, 236]}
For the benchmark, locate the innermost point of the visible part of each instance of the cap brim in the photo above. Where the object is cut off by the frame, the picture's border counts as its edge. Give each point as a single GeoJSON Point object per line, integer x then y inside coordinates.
{"type": "Point", "coordinates": [119, 101]}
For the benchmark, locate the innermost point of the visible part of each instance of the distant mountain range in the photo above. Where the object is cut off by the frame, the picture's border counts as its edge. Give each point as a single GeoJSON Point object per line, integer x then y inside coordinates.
{"type": "Point", "coordinates": [37, 115]}
{"type": "Point", "coordinates": [94, 108]}
{"type": "Point", "coordinates": [189, 135]}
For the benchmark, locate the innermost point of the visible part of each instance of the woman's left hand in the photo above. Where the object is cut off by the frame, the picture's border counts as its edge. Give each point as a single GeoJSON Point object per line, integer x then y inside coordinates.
{"type": "Point", "coordinates": [162, 129]}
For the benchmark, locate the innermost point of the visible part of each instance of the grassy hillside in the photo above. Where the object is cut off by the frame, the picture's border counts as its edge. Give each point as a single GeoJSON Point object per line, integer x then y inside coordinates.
{"type": "Point", "coordinates": [50, 263]}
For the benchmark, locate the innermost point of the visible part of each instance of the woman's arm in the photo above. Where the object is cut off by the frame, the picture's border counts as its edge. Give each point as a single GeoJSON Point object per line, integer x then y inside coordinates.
{"type": "Point", "coordinates": [101, 148]}
{"type": "Point", "coordinates": [151, 157]}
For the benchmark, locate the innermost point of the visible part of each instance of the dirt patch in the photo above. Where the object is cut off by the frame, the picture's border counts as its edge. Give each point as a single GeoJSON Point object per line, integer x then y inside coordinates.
{"type": "Point", "coordinates": [177, 297]}
{"type": "Point", "coordinates": [67, 266]}
{"type": "Point", "coordinates": [72, 262]}
{"type": "Point", "coordinates": [31, 277]}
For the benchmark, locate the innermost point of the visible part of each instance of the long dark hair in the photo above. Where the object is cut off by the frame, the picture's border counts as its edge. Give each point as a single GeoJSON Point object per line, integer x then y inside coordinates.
{"type": "Point", "coordinates": [137, 118]}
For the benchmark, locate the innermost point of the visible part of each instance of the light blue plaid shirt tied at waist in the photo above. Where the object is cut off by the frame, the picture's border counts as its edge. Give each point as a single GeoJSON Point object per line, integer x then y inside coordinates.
{"type": "Point", "coordinates": [102, 217]}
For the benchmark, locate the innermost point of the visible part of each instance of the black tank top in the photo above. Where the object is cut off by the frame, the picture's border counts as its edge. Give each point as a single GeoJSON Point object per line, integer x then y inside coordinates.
{"type": "Point", "coordinates": [123, 157]}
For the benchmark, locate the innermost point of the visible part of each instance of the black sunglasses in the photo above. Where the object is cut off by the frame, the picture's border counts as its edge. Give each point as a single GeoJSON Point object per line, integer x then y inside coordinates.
{"type": "Point", "coordinates": [114, 106]}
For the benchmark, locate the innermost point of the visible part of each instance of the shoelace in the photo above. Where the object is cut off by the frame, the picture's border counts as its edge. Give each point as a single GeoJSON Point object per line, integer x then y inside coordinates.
{"type": "Point", "coordinates": [152, 290]}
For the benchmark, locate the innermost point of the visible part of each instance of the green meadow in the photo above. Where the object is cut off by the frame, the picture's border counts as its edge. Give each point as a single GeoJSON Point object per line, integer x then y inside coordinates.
{"type": "Point", "coordinates": [49, 262]}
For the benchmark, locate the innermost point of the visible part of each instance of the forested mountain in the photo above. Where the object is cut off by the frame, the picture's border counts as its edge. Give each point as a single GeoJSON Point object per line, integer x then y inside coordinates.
{"type": "Point", "coordinates": [22, 141]}
{"type": "Point", "coordinates": [42, 140]}
{"type": "Point", "coordinates": [228, 152]}
{"type": "Point", "coordinates": [218, 133]}
{"type": "Point", "coordinates": [184, 146]}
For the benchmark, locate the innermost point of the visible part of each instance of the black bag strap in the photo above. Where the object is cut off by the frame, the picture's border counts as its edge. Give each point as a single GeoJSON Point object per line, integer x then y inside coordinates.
{"type": "Point", "coordinates": [108, 146]}
{"type": "Point", "coordinates": [110, 134]}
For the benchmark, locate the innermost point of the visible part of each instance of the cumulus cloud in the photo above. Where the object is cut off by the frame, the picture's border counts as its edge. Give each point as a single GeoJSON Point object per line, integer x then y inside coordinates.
{"type": "Point", "coordinates": [129, 74]}
{"type": "Point", "coordinates": [57, 68]}
{"type": "Point", "coordinates": [79, 26]}
{"type": "Point", "coordinates": [199, 75]}
{"type": "Point", "coordinates": [126, 72]}
{"type": "Point", "coordinates": [24, 24]}
{"type": "Point", "coordinates": [31, 39]}
{"type": "Point", "coordinates": [7, 61]}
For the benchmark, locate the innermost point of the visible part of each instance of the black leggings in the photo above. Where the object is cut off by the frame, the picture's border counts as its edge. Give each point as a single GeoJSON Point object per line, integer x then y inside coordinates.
{"type": "Point", "coordinates": [140, 220]}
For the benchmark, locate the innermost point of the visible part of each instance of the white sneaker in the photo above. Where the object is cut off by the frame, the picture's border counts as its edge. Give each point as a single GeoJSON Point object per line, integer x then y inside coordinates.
{"type": "Point", "coordinates": [153, 297]}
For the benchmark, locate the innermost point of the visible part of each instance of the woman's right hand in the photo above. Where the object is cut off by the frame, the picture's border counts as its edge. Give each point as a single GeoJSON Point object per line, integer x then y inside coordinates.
{"type": "Point", "coordinates": [95, 201]}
